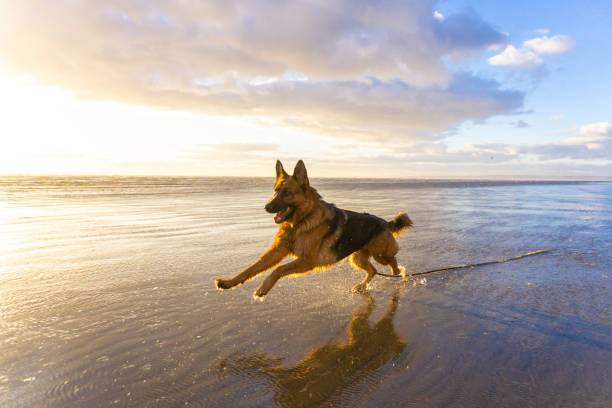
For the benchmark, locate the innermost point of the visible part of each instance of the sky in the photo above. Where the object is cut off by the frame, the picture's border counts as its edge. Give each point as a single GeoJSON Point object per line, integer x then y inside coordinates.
{"type": "Point", "coordinates": [355, 88]}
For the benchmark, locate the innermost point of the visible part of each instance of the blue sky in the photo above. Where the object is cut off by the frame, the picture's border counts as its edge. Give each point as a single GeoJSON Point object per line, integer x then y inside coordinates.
{"type": "Point", "coordinates": [437, 89]}
{"type": "Point", "coordinates": [576, 84]}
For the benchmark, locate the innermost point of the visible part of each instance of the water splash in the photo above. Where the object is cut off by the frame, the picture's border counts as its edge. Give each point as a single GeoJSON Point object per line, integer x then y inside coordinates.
{"type": "Point", "coordinates": [403, 273]}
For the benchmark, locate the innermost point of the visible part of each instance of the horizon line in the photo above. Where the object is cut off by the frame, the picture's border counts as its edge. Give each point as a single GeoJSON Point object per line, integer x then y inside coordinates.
{"type": "Point", "coordinates": [468, 178]}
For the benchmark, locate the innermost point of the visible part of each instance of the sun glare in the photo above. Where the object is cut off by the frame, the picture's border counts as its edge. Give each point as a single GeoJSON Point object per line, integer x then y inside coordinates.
{"type": "Point", "coordinates": [47, 130]}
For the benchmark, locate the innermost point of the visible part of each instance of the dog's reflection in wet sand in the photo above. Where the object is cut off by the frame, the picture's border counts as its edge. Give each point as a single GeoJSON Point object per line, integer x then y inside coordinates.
{"type": "Point", "coordinates": [327, 371]}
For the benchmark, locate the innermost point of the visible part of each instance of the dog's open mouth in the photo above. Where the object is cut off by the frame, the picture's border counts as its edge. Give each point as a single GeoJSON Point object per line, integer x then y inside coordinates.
{"type": "Point", "coordinates": [283, 215]}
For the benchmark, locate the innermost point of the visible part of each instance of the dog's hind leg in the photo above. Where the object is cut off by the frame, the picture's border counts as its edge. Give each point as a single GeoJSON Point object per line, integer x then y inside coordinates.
{"type": "Point", "coordinates": [384, 247]}
{"type": "Point", "coordinates": [391, 261]}
{"type": "Point", "coordinates": [361, 260]}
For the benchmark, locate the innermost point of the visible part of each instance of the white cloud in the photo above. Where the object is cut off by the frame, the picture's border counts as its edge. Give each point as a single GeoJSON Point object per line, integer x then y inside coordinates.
{"type": "Point", "coordinates": [529, 55]}
{"type": "Point", "coordinates": [522, 58]}
{"type": "Point", "coordinates": [355, 68]}
{"type": "Point", "coordinates": [588, 142]}
{"type": "Point", "coordinates": [557, 117]}
{"type": "Point", "coordinates": [550, 45]}
{"type": "Point", "coordinates": [333, 40]}
{"type": "Point", "coordinates": [593, 133]}
{"type": "Point", "coordinates": [438, 16]}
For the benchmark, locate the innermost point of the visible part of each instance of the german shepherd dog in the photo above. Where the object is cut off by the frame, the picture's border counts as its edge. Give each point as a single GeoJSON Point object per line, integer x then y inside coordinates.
{"type": "Point", "coordinates": [319, 234]}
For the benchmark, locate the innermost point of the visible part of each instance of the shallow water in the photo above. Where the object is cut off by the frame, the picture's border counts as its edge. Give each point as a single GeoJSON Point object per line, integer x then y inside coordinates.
{"type": "Point", "coordinates": [107, 298]}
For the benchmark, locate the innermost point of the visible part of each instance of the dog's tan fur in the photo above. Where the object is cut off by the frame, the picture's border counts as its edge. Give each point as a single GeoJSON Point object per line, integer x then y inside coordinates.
{"type": "Point", "coordinates": [319, 234]}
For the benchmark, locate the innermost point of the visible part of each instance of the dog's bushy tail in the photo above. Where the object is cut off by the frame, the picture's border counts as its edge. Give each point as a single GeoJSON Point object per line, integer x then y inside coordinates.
{"type": "Point", "coordinates": [400, 222]}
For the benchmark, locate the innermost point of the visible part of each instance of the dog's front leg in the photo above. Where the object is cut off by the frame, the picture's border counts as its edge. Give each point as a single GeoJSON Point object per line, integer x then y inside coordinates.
{"type": "Point", "coordinates": [270, 258]}
{"type": "Point", "coordinates": [290, 268]}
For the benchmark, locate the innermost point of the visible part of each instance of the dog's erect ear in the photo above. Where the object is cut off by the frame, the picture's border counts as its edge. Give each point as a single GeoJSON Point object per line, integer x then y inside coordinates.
{"type": "Point", "coordinates": [300, 175]}
{"type": "Point", "coordinates": [280, 172]}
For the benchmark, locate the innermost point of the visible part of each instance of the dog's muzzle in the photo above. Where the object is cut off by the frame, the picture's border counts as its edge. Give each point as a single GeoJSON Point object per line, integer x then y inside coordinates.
{"type": "Point", "coordinates": [281, 214]}
{"type": "Point", "coordinates": [271, 208]}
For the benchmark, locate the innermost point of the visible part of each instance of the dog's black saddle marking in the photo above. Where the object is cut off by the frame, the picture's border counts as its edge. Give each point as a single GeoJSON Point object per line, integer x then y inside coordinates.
{"type": "Point", "coordinates": [357, 230]}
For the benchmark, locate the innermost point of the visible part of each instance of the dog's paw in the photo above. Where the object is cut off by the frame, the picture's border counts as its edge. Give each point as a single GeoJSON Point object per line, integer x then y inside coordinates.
{"type": "Point", "coordinates": [359, 288]}
{"type": "Point", "coordinates": [222, 284]}
{"type": "Point", "coordinates": [258, 295]}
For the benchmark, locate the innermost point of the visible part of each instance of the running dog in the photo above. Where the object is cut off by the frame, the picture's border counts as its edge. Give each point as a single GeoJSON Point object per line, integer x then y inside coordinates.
{"type": "Point", "coordinates": [319, 234]}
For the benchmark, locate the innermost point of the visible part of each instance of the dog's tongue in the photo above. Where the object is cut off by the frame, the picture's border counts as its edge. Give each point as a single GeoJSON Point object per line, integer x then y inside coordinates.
{"type": "Point", "coordinates": [280, 216]}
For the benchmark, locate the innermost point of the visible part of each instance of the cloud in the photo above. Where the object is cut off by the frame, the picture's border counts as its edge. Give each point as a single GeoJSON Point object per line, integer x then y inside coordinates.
{"type": "Point", "coordinates": [550, 45]}
{"type": "Point", "coordinates": [465, 33]}
{"type": "Point", "coordinates": [245, 147]}
{"type": "Point", "coordinates": [594, 133]}
{"type": "Point", "coordinates": [587, 142]}
{"type": "Point", "coordinates": [361, 69]}
{"type": "Point", "coordinates": [364, 111]}
{"type": "Point", "coordinates": [557, 117]}
{"type": "Point", "coordinates": [585, 151]}
{"type": "Point", "coordinates": [529, 55]}
{"type": "Point", "coordinates": [438, 16]}
{"type": "Point", "coordinates": [520, 124]}
{"type": "Point", "coordinates": [333, 40]}
{"type": "Point", "coordinates": [522, 58]}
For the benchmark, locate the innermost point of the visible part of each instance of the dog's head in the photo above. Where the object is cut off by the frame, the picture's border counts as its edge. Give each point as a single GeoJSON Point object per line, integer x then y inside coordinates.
{"type": "Point", "coordinates": [290, 193]}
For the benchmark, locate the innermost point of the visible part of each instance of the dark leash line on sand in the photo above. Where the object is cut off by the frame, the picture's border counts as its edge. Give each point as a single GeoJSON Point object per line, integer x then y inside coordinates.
{"type": "Point", "coordinates": [452, 268]}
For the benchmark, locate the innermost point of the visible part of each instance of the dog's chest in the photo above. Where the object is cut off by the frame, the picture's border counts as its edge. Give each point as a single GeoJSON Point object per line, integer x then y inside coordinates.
{"type": "Point", "coordinates": [312, 245]}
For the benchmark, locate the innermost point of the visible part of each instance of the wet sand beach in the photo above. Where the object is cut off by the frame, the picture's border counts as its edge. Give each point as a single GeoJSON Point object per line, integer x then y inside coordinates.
{"type": "Point", "coordinates": [107, 298]}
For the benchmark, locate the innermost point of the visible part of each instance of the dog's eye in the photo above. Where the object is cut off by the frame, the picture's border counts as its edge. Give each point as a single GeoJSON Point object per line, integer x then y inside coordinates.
{"type": "Point", "coordinates": [288, 194]}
